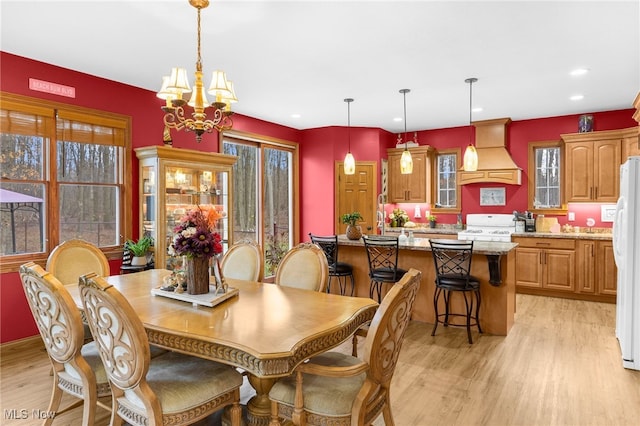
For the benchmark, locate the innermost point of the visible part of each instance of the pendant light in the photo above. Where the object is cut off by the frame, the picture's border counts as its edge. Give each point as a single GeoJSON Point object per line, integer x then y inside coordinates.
{"type": "Point", "coordinates": [349, 161]}
{"type": "Point", "coordinates": [470, 160]}
{"type": "Point", "coordinates": [406, 162]}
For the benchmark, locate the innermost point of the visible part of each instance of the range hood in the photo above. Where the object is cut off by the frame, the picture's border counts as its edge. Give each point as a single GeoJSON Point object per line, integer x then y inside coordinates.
{"type": "Point", "coordinates": [494, 162]}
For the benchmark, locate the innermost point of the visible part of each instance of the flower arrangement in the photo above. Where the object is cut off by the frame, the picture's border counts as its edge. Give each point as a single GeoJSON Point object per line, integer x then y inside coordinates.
{"type": "Point", "coordinates": [398, 218]}
{"type": "Point", "coordinates": [194, 236]}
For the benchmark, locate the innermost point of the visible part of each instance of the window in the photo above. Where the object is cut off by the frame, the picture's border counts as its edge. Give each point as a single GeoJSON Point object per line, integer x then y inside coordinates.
{"type": "Point", "coordinates": [545, 177]}
{"type": "Point", "coordinates": [447, 194]}
{"type": "Point", "coordinates": [63, 172]}
{"type": "Point", "coordinates": [264, 182]}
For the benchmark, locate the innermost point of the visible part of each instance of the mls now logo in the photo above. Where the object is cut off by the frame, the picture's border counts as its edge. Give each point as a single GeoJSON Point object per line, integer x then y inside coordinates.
{"type": "Point", "coordinates": [23, 414]}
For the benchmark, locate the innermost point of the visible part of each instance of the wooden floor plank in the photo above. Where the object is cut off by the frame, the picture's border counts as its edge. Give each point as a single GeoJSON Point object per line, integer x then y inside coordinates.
{"type": "Point", "coordinates": [560, 365]}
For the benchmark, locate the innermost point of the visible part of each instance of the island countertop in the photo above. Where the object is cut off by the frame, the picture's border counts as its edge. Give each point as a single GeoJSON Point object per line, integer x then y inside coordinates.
{"type": "Point", "coordinates": [493, 265]}
{"type": "Point", "coordinates": [479, 247]}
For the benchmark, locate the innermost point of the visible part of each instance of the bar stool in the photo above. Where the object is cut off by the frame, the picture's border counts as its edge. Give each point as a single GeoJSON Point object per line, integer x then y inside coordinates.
{"type": "Point", "coordinates": [382, 254]}
{"type": "Point", "coordinates": [452, 259]}
{"type": "Point", "coordinates": [340, 270]}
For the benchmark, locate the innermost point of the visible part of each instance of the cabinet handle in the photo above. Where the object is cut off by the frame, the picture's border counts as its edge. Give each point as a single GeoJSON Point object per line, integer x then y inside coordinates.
{"type": "Point", "coordinates": [596, 191]}
{"type": "Point", "coordinates": [542, 244]}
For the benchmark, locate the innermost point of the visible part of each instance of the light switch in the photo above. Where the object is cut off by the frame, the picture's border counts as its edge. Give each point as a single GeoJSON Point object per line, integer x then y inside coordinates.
{"type": "Point", "coordinates": [571, 216]}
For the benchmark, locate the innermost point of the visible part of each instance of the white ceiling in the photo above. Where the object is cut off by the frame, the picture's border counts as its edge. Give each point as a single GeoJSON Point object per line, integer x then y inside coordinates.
{"type": "Point", "coordinates": [305, 57]}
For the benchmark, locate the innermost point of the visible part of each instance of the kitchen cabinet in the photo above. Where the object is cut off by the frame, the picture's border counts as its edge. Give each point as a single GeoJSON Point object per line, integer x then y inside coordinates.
{"type": "Point", "coordinates": [174, 181]}
{"type": "Point", "coordinates": [596, 271]}
{"type": "Point", "coordinates": [592, 166]}
{"type": "Point", "coordinates": [414, 187]}
{"type": "Point", "coordinates": [630, 143]}
{"type": "Point", "coordinates": [545, 264]}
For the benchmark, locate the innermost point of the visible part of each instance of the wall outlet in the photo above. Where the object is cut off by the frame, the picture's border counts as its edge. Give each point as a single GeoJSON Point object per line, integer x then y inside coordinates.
{"type": "Point", "coordinates": [571, 216]}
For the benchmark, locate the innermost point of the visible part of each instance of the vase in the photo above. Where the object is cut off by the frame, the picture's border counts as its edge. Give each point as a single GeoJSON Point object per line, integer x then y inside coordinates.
{"type": "Point", "coordinates": [139, 261]}
{"type": "Point", "coordinates": [354, 232]}
{"type": "Point", "coordinates": [432, 224]}
{"type": "Point", "coordinates": [197, 275]}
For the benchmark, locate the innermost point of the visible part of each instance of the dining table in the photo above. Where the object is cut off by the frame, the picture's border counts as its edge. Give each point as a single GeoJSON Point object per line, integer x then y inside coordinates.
{"type": "Point", "coordinates": [264, 329]}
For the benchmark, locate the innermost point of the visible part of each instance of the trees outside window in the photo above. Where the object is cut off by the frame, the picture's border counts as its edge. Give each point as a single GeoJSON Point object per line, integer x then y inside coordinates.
{"type": "Point", "coordinates": [63, 171]}
{"type": "Point", "coordinates": [264, 193]}
{"type": "Point", "coordinates": [545, 177]}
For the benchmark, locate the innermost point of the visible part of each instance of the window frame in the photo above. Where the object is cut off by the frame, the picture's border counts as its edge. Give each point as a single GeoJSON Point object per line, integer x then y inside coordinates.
{"type": "Point", "coordinates": [261, 143]}
{"type": "Point", "coordinates": [10, 101]}
{"type": "Point", "coordinates": [533, 146]}
{"type": "Point", "coordinates": [434, 186]}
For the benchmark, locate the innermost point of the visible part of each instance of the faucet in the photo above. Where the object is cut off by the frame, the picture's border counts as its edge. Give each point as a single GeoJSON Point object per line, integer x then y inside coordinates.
{"type": "Point", "coordinates": [380, 213]}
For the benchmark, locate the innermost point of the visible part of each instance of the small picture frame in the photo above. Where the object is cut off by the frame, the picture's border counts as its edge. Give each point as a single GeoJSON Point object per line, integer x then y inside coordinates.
{"type": "Point", "coordinates": [493, 197]}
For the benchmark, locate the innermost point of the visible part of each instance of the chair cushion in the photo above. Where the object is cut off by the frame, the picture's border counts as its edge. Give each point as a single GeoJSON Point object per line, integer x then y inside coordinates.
{"type": "Point", "coordinates": [340, 268]}
{"type": "Point", "coordinates": [182, 381]}
{"type": "Point", "coordinates": [328, 396]}
{"type": "Point", "coordinates": [387, 274]}
{"type": "Point", "coordinates": [457, 283]}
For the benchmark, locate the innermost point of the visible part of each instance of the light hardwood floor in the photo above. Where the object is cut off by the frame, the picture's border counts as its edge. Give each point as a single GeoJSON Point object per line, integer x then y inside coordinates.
{"type": "Point", "coordinates": [560, 365]}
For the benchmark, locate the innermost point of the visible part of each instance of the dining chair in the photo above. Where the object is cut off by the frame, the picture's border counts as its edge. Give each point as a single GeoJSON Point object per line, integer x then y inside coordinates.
{"type": "Point", "coordinates": [172, 388]}
{"type": "Point", "coordinates": [304, 266]}
{"type": "Point", "coordinates": [74, 258]}
{"type": "Point", "coordinates": [339, 389]}
{"type": "Point", "coordinates": [341, 271]}
{"type": "Point", "coordinates": [382, 255]}
{"type": "Point", "coordinates": [243, 261]}
{"type": "Point", "coordinates": [77, 368]}
{"type": "Point", "coordinates": [452, 261]}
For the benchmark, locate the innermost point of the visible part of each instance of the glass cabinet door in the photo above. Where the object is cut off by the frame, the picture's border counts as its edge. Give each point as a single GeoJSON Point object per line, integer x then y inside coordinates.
{"type": "Point", "coordinates": [192, 188]}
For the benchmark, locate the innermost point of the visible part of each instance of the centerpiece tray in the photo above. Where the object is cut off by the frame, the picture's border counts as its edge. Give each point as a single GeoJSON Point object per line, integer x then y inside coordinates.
{"type": "Point", "coordinates": [210, 299]}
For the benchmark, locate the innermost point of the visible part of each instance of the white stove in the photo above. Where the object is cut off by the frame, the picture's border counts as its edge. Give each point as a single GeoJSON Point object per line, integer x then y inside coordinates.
{"type": "Point", "coordinates": [488, 227]}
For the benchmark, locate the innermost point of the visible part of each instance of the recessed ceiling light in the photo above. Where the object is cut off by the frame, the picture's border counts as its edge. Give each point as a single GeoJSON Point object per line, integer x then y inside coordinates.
{"type": "Point", "coordinates": [296, 115]}
{"type": "Point", "coordinates": [397, 119]}
{"type": "Point", "coordinates": [477, 109]}
{"type": "Point", "coordinates": [577, 97]}
{"type": "Point", "coordinates": [579, 71]}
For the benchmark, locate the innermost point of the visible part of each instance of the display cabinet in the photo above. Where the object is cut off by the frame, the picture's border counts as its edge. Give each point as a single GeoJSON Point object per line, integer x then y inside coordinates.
{"type": "Point", "coordinates": [174, 181]}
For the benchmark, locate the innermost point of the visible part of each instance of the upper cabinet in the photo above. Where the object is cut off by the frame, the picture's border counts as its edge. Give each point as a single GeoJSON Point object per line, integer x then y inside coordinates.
{"type": "Point", "coordinates": [630, 143]}
{"type": "Point", "coordinates": [174, 181]}
{"type": "Point", "coordinates": [414, 187]}
{"type": "Point", "coordinates": [592, 166]}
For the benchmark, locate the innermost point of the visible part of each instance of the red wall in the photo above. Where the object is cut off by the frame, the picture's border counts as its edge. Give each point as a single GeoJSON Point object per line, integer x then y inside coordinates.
{"type": "Point", "coordinates": [319, 149]}
{"type": "Point", "coordinates": [106, 95]}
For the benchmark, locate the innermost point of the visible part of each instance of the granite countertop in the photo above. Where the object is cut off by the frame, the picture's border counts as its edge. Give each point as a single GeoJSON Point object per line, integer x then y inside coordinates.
{"type": "Point", "coordinates": [422, 244]}
{"type": "Point", "coordinates": [425, 230]}
{"type": "Point", "coordinates": [607, 236]}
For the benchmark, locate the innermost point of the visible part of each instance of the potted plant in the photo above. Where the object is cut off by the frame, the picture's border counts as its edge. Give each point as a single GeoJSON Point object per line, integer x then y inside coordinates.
{"type": "Point", "coordinates": [139, 250]}
{"type": "Point", "coordinates": [354, 232]}
{"type": "Point", "coordinates": [432, 221]}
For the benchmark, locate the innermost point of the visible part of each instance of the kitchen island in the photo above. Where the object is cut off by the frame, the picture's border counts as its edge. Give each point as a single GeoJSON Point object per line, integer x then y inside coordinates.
{"type": "Point", "coordinates": [493, 264]}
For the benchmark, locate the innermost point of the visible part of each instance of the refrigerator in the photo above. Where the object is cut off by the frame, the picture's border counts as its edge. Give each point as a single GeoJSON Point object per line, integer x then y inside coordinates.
{"type": "Point", "coordinates": [626, 250]}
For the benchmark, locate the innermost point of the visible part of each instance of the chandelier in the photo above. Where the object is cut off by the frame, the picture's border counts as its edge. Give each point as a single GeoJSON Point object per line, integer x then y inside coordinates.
{"type": "Point", "coordinates": [406, 162]}
{"type": "Point", "coordinates": [175, 85]}
{"type": "Point", "coordinates": [470, 159]}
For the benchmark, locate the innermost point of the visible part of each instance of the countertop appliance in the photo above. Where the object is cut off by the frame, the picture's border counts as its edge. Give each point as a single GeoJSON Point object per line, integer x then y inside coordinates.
{"type": "Point", "coordinates": [626, 250]}
{"type": "Point", "coordinates": [488, 227]}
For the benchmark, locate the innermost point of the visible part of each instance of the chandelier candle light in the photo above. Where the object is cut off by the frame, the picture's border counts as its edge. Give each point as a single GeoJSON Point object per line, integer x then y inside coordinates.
{"type": "Point", "coordinates": [176, 85]}
{"type": "Point", "coordinates": [349, 161]}
{"type": "Point", "coordinates": [406, 162]}
{"type": "Point", "coordinates": [470, 160]}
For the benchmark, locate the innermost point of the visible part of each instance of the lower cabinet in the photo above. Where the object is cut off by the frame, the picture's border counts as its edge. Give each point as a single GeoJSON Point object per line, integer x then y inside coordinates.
{"type": "Point", "coordinates": [596, 271]}
{"type": "Point", "coordinates": [566, 267]}
{"type": "Point", "coordinates": [545, 263]}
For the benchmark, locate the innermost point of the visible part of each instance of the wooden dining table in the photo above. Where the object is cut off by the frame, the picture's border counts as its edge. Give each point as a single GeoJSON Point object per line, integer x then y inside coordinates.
{"type": "Point", "coordinates": [266, 329]}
